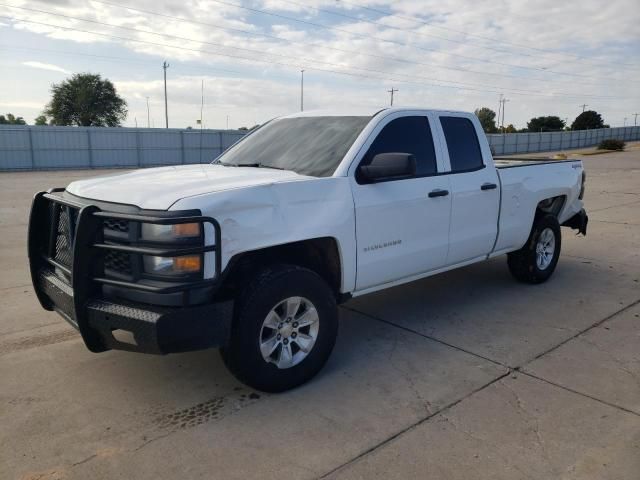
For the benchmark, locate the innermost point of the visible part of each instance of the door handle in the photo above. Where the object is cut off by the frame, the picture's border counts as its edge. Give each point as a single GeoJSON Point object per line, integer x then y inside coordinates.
{"type": "Point", "coordinates": [438, 193]}
{"type": "Point", "coordinates": [488, 186]}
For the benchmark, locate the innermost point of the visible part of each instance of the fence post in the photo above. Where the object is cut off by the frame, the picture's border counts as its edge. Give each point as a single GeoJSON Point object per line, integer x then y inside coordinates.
{"type": "Point", "coordinates": [138, 150]}
{"type": "Point", "coordinates": [539, 142]}
{"type": "Point", "coordinates": [221, 144]}
{"type": "Point", "coordinates": [182, 154]}
{"type": "Point", "coordinates": [89, 148]}
{"type": "Point", "coordinates": [33, 156]}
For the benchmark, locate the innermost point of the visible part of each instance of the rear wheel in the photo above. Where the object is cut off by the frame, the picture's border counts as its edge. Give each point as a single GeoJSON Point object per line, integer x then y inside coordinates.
{"type": "Point", "coordinates": [537, 260]}
{"type": "Point", "coordinates": [285, 327]}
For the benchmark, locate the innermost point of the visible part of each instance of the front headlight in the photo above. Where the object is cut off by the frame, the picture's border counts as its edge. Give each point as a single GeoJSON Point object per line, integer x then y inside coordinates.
{"type": "Point", "coordinates": [167, 233]}
{"type": "Point", "coordinates": [172, 265]}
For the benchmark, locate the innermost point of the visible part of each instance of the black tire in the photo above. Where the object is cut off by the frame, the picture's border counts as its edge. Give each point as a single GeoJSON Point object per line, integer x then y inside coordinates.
{"type": "Point", "coordinates": [522, 263]}
{"type": "Point", "coordinates": [268, 289]}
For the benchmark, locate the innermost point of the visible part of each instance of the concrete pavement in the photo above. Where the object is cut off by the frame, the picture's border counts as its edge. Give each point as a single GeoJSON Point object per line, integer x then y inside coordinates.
{"type": "Point", "coordinates": [464, 375]}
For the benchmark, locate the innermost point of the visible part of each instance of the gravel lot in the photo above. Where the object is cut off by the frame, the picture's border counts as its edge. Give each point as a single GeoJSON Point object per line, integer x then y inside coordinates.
{"type": "Point", "coordinates": [466, 375]}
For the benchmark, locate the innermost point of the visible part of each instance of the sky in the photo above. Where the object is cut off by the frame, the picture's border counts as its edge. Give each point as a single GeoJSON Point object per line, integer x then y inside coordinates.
{"type": "Point", "coordinates": [244, 58]}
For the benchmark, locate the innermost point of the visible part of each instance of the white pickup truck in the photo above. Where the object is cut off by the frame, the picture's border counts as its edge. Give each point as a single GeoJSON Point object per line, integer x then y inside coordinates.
{"type": "Point", "coordinates": [253, 252]}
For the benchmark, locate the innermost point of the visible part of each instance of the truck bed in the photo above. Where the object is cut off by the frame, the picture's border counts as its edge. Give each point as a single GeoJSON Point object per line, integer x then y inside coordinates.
{"type": "Point", "coordinates": [510, 162]}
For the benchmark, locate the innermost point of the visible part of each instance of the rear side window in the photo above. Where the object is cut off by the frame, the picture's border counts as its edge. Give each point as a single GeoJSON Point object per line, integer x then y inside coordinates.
{"type": "Point", "coordinates": [406, 135]}
{"type": "Point", "coordinates": [462, 143]}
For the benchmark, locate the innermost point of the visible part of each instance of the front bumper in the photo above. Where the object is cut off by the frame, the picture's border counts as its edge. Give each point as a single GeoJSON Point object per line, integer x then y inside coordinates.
{"type": "Point", "coordinates": [76, 292]}
{"type": "Point", "coordinates": [137, 327]}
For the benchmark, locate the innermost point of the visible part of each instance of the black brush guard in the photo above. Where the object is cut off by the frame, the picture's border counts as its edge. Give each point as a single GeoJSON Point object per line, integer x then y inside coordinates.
{"type": "Point", "coordinates": [75, 290]}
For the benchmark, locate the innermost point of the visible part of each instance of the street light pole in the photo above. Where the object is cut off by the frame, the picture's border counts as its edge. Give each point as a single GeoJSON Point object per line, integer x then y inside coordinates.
{"type": "Point", "coordinates": [504, 100]}
{"type": "Point", "coordinates": [165, 65]}
{"type": "Point", "coordinates": [302, 90]}
{"type": "Point", "coordinates": [148, 115]}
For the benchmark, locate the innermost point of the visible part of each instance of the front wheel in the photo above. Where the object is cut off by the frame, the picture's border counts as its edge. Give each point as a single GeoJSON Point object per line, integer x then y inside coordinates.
{"type": "Point", "coordinates": [537, 260]}
{"type": "Point", "coordinates": [285, 327]}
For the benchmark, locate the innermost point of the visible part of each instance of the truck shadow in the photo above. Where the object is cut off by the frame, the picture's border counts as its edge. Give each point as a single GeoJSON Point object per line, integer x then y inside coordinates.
{"type": "Point", "coordinates": [483, 310]}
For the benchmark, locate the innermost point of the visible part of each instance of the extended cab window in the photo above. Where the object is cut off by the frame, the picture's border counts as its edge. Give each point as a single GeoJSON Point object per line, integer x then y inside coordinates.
{"type": "Point", "coordinates": [462, 143]}
{"type": "Point", "coordinates": [406, 135]}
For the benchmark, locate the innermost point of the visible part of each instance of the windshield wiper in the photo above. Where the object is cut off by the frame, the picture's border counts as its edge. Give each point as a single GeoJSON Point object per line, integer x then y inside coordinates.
{"type": "Point", "coordinates": [255, 165]}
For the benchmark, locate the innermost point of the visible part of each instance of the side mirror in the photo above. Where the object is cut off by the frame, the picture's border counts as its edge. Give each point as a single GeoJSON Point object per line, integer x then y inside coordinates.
{"type": "Point", "coordinates": [386, 166]}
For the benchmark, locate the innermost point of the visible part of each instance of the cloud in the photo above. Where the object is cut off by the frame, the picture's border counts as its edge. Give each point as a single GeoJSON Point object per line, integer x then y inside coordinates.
{"type": "Point", "coordinates": [415, 45]}
{"type": "Point", "coordinates": [46, 66]}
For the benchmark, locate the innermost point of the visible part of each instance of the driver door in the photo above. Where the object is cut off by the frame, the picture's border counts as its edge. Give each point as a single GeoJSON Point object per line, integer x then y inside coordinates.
{"type": "Point", "coordinates": [402, 225]}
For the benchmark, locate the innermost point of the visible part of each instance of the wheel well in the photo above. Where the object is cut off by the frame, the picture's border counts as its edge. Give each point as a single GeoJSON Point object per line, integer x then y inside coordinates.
{"type": "Point", "coordinates": [551, 205]}
{"type": "Point", "coordinates": [319, 254]}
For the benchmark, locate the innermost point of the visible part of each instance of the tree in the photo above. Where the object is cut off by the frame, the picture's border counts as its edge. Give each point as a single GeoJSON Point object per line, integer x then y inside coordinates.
{"type": "Point", "coordinates": [11, 119]}
{"type": "Point", "coordinates": [587, 121]}
{"type": "Point", "coordinates": [86, 99]}
{"type": "Point", "coordinates": [511, 129]}
{"type": "Point", "coordinates": [545, 124]}
{"type": "Point", "coordinates": [487, 119]}
{"type": "Point", "coordinates": [41, 120]}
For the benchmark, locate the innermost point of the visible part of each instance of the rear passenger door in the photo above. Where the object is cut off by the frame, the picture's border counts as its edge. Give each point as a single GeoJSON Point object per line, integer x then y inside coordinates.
{"type": "Point", "coordinates": [402, 225]}
{"type": "Point", "coordinates": [475, 191]}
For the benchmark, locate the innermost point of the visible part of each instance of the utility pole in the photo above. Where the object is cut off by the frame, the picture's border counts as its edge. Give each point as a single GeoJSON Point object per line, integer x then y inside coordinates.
{"type": "Point", "coordinates": [302, 90]}
{"type": "Point", "coordinates": [391, 92]}
{"type": "Point", "coordinates": [201, 120]}
{"type": "Point", "coordinates": [148, 116]}
{"type": "Point", "coordinates": [504, 100]}
{"type": "Point", "coordinates": [499, 110]}
{"type": "Point", "coordinates": [201, 103]}
{"type": "Point", "coordinates": [227, 122]}
{"type": "Point", "coordinates": [584, 105]}
{"type": "Point", "coordinates": [165, 65]}
{"type": "Point", "coordinates": [625, 122]}
{"type": "Point", "coordinates": [635, 119]}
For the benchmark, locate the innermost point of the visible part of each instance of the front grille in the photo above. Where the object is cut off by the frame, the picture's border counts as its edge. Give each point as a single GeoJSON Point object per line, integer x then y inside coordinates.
{"type": "Point", "coordinates": [116, 224]}
{"type": "Point", "coordinates": [118, 262]}
{"type": "Point", "coordinates": [64, 234]}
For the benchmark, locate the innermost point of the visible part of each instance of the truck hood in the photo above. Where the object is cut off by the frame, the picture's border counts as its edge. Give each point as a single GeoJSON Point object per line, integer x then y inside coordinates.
{"type": "Point", "coordinates": [159, 188]}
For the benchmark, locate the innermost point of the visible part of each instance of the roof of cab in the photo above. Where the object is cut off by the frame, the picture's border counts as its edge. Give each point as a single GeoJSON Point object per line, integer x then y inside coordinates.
{"type": "Point", "coordinates": [363, 112]}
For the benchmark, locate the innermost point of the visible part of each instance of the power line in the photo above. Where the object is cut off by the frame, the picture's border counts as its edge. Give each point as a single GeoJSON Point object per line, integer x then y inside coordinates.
{"type": "Point", "coordinates": [449, 85]}
{"type": "Point", "coordinates": [214, 69]}
{"type": "Point", "coordinates": [111, 58]}
{"type": "Point", "coordinates": [329, 47]}
{"type": "Point", "coordinates": [470, 86]}
{"type": "Point", "coordinates": [489, 39]}
{"type": "Point", "coordinates": [328, 27]}
{"type": "Point", "coordinates": [393, 27]}
{"type": "Point", "coordinates": [261, 52]}
{"type": "Point", "coordinates": [150, 65]}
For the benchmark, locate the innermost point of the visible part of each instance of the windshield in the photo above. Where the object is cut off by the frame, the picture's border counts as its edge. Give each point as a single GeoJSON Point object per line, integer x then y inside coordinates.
{"type": "Point", "coordinates": [306, 145]}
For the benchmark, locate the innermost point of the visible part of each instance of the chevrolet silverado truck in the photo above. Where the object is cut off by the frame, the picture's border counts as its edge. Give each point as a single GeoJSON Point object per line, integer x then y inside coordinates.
{"type": "Point", "coordinates": [253, 252]}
